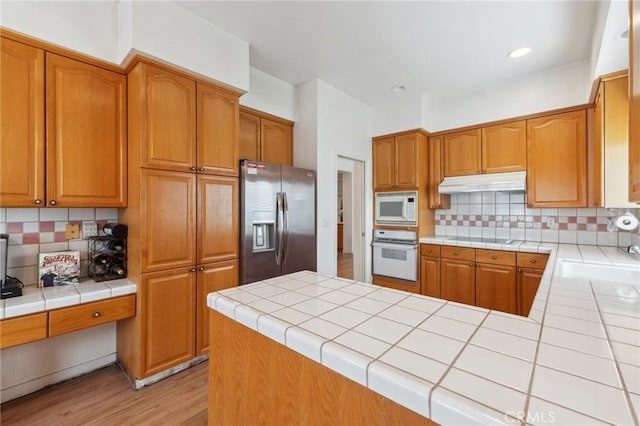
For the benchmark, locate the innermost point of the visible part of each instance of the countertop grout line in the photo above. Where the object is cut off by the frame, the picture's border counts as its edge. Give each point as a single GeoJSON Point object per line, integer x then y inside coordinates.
{"type": "Point", "coordinates": [616, 363]}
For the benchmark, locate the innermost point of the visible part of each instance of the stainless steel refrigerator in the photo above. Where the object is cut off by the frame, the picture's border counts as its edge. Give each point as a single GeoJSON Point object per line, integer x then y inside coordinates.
{"type": "Point", "coordinates": [278, 220]}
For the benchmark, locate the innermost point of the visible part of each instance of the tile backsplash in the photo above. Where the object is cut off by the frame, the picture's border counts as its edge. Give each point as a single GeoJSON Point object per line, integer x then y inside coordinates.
{"type": "Point", "coordinates": [506, 215]}
{"type": "Point", "coordinates": [35, 230]}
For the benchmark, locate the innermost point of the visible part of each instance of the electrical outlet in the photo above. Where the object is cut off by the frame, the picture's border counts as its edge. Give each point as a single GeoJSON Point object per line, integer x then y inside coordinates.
{"type": "Point", "coordinates": [72, 231]}
{"type": "Point", "coordinates": [550, 222]}
{"type": "Point", "coordinates": [89, 229]}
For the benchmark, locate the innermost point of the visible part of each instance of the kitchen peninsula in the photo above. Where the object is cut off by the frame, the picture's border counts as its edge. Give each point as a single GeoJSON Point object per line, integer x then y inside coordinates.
{"type": "Point", "coordinates": [411, 358]}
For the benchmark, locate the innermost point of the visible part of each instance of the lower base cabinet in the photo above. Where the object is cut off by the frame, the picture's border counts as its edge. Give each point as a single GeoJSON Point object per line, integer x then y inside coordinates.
{"type": "Point", "coordinates": [458, 281]}
{"type": "Point", "coordinates": [412, 287]}
{"type": "Point", "coordinates": [527, 284]}
{"type": "Point", "coordinates": [496, 287]}
{"type": "Point", "coordinates": [24, 329]}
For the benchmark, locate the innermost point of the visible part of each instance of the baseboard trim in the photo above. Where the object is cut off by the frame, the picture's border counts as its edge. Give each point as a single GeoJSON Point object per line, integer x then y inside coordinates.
{"type": "Point", "coordinates": [140, 383]}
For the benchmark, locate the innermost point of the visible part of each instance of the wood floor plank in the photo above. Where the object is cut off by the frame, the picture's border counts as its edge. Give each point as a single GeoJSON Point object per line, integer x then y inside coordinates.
{"type": "Point", "coordinates": [105, 397]}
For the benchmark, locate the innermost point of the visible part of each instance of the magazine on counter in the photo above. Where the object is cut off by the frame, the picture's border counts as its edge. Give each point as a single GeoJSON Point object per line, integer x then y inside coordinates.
{"type": "Point", "coordinates": [58, 268]}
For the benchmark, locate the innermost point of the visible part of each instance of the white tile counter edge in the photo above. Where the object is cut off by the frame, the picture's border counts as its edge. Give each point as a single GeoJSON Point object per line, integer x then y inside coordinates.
{"type": "Point", "coordinates": [447, 401]}
{"type": "Point", "coordinates": [35, 299]}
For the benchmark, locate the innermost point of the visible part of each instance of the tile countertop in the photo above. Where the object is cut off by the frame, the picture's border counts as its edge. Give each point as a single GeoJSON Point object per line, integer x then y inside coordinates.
{"type": "Point", "coordinates": [35, 299]}
{"type": "Point", "coordinates": [574, 361]}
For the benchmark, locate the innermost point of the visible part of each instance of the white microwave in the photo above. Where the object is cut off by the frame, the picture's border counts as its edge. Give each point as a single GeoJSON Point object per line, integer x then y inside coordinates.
{"type": "Point", "coordinates": [397, 208]}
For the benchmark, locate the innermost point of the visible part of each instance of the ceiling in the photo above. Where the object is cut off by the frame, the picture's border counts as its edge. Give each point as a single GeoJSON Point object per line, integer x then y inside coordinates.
{"type": "Point", "coordinates": [439, 48]}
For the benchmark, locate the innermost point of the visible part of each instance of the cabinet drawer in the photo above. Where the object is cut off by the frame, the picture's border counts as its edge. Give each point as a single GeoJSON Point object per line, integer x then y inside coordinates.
{"type": "Point", "coordinates": [496, 257]}
{"type": "Point", "coordinates": [74, 318]}
{"type": "Point", "coordinates": [532, 260]}
{"type": "Point", "coordinates": [460, 253]}
{"type": "Point", "coordinates": [430, 250]}
{"type": "Point", "coordinates": [29, 328]}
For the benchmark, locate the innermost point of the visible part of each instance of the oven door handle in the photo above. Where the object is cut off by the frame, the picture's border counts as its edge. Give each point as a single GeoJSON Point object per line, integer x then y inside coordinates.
{"type": "Point", "coordinates": [395, 246]}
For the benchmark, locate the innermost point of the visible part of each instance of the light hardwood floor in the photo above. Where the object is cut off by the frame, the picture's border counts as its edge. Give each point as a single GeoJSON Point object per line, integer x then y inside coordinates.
{"type": "Point", "coordinates": [345, 265]}
{"type": "Point", "coordinates": [105, 398]}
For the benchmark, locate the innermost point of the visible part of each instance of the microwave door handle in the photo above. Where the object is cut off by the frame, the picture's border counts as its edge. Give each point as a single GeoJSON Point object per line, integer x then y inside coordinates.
{"type": "Point", "coordinates": [279, 231]}
{"type": "Point", "coordinates": [285, 231]}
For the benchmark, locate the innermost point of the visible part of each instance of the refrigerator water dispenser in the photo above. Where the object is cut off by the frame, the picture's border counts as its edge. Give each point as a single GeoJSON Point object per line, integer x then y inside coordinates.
{"type": "Point", "coordinates": [263, 236]}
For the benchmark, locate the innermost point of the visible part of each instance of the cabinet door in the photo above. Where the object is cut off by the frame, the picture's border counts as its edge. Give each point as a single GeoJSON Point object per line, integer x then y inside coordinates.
{"type": "Point", "coordinates": [504, 147]}
{"type": "Point", "coordinates": [22, 129]}
{"type": "Point", "coordinates": [457, 281]}
{"type": "Point", "coordinates": [276, 144]}
{"type": "Point", "coordinates": [217, 134]}
{"type": "Point", "coordinates": [218, 204]}
{"type": "Point", "coordinates": [86, 135]}
{"type": "Point", "coordinates": [595, 146]}
{"type": "Point", "coordinates": [436, 174]}
{"type": "Point", "coordinates": [462, 151]}
{"type": "Point", "coordinates": [212, 277]}
{"type": "Point", "coordinates": [383, 164]}
{"type": "Point", "coordinates": [168, 319]}
{"type": "Point", "coordinates": [25, 329]}
{"type": "Point", "coordinates": [527, 284]}
{"type": "Point", "coordinates": [557, 160]}
{"type": "Point", "coordinates": [406, 161]}
{"type": "Point", "coordinates": [634, 101]}
{"type": "Point", "coordinates": [496, 287]}
{"type": "Point", "coordinates": [168, 202]}
{"type": "Point", "coordinates": [249, 125]}
{"type": "Point", "coordinates": [430, 276]}
{"type": "Point", "coordinates": [168, 105]}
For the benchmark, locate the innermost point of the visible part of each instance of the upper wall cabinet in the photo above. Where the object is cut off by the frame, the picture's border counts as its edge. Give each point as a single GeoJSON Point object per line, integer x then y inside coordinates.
{"type": "Point", "coordinates": [265, 138]}
{"type": "Point", "coordinates": [84, 139]}
{"type": "Point", "coordinates": [86, 135]}
{"type": "Point", "coordinates": [436, 174]}
{"type": "Point", "coordinates": [22, 129]}
{"type": "Point", "coordinates": [396, 161]}
{"type": "Point", "coordinates": [493, 149]}
{"type": "Point", "coordinates": [170, 139]}
{"type": "Point", "coordinates": [634, 101]}
{"type": "Point", "coordinates": [557, 160]}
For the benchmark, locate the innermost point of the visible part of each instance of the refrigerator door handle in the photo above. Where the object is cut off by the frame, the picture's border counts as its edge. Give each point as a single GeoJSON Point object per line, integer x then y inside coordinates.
{"type": "Point", "coordinates": [285, 217]}
{"type": "Point", "coordinates": [279, 228]}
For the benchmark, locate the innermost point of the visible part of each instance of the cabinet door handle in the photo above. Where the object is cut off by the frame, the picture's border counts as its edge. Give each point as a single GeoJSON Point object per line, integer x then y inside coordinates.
{"type": "Point", "coordinates": [520, 270]}
{"type": "Point", "coordinates": [201, 268]}
{"type": "Point", "coordinates": [201, 169]}
{"type": "Point", "coordinates": [533, 261]}
{"type": "Point", "coordinates": [455, 253]}
{"type": "Point", "coordinates": [96, 314]}
{"type": "Point", "coordinates": [52, 202]}
{"type": "Point", "coordinates": [193, 269]}
{"type": "Point", "coordinates": [494, 257]}
{"type": "Point", "coordinates": [471, 264]}
{"type": "Point", "coordinates": [429, 251]}
{"type": "Point", "coordinates": [38, 201]}
{"type": "Point", "coordinates": [529, 205]}
{"type": "Point", "coordinates": [193, 169]}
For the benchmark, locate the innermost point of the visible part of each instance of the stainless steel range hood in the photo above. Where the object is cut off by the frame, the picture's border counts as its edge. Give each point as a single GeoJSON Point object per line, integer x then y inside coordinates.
{"type": "Point", "coordinates": [510, 181]}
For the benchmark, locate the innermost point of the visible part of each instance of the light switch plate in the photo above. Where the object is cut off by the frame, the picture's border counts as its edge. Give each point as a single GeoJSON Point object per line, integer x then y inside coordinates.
{"type": "Point", "coordinates": [89, 229]}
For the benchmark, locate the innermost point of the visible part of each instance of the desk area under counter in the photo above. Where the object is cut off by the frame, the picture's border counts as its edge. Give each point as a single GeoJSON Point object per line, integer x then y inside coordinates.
{"type": "Point", "coordinates": [46, 312]}
{"type": "Point", "coordinates": [308, 346]}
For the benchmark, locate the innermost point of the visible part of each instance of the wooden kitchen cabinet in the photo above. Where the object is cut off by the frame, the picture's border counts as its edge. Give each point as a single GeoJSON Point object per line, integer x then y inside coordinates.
{"type": "Point", "coordinates": [398, 161]}
{"type": "Point", "coordinates": [24, 329]}
{"type": "Point", "coordinates": [435, 174]}
{"type": "Point", "coordinates": [218, 219]}
{"type": "Point", "coordinates": [217, 131]}
{"type": "Point", "coordinates": [557, 160]}
{"type": "Point", "coordinates": [168, 230]}
{"type": "Point", "coordinates": [634, 101]}
{"type": "Point", "coordinates": [168, 318]}
{"type": "Point", "coordinates": [265, 138]}
{"type": "Point", "coordinates": [22, 130]}
{"type": "Point", "coordinates": [457, 274]}
{"type": "Point", "coordinates": [86, 135]}
{"type": "Point", "coordinates": [504, 147]}
{"type": "Point", "coordinates": [529, 273]}
{"type": "Point", "coordinates": [496, 280]}
{"type": "Point", "coordinates": [430, 270]}
{"type": "Point", "coordinates": [462, 153]}
{"type": "Point", "coordinates": [73, 318]}
{"type": "Point", "coordinates": [211, 277]}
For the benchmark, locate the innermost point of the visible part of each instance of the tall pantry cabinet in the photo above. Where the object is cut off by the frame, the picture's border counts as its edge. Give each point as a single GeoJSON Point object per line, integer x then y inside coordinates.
{"type": "Point", "coordinates": [182, 213]}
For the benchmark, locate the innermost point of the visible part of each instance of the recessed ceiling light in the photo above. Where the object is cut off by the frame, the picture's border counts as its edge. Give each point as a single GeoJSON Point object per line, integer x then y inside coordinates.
{"type": "Point", "coordinates": [624, 35]}
{"type": "Point", "coordinates": [398, 88]}
{"type": "Point", "coordinates": [518, 53]}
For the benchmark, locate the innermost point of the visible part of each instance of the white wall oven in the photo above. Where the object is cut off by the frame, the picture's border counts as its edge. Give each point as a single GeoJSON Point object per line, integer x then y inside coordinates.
{"type": "Point", "coordinates": [397, 208]}
{"type": "Point", "coordinates": [395, 254]}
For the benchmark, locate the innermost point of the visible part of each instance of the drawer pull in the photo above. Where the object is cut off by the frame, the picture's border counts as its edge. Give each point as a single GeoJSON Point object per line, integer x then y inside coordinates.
{"type": "Point", "coordinates": [38, 201]}
{"type": "Point", "coordinates": [429, 250]}
{"type": "Point", "coordinates": [96, 314]}
{"type": "Point", "coordinates": [471, 264]}
{"type": "Point", "coordinates": [494, 257]}
{"type": "Point", "coordinates": [533, 261]}
{"type": "Point", "coordinates": [455, 253]}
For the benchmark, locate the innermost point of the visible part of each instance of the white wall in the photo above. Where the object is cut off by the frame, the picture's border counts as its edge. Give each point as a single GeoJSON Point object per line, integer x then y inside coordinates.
{"type": "Point", "coordinates": [87, 27]}
{"type": "Point", "coordinates": [305, 131]}
{"type": "Point", "coordinates": [403, 113]}
{"type": "Point", "coordinates": [545, 90]}
{"type": "Point", "coordinates": [271, 95]}
{"type": "Point", "coordinates": [612, 51]}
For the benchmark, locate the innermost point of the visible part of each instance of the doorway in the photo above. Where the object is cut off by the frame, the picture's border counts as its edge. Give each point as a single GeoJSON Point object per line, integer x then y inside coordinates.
{"type": "Point", "coordinates": [350, 219]}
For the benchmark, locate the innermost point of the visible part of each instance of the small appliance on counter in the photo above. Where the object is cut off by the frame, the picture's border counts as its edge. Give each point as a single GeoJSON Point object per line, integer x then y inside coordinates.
{"type": "Point", "coordinates": [11, 287]}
